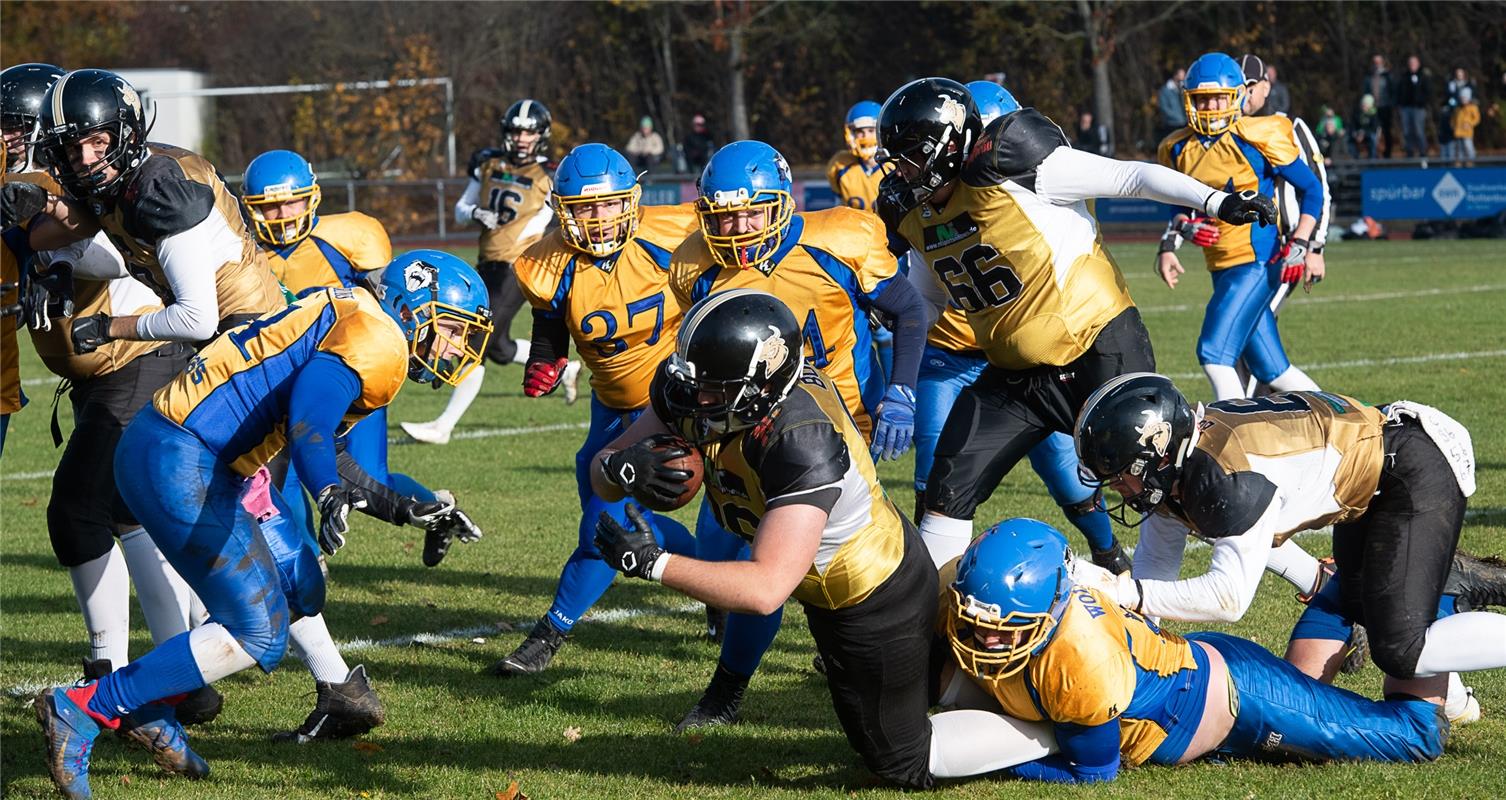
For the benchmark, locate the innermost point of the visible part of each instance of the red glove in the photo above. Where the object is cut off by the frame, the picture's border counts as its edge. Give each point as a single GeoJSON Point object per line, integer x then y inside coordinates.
{"type": "Point", "coordinates": [542, 377]}
{"type": "Point", "coordinates": [1201, 231]}
{"type": "Point", "coordinates": [1293, 259]}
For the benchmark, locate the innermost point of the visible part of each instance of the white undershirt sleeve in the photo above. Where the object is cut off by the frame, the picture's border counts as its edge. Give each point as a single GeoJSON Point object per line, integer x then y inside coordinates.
{"type": "Point", "coordinates": [95, 259]}
{"type": "Point", "coordinates": [190, 260]}
{"type": "Point", "coordinates": [1068, 175]}
{"type": "Point", "coordinates": [1158, 555]}
{"type": "Point", "coordinates": [467, 202]}
{"type": "Point", "coordinates": [1228, 588]}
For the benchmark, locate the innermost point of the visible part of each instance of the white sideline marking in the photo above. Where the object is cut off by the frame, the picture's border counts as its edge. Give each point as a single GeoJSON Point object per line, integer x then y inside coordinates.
{"type": "Point", "coordinates": [1378, 362]}
{"type": "Point", "coordinates": [1348, 298]}
{"type": "Point", "coordinates": [29, 688]}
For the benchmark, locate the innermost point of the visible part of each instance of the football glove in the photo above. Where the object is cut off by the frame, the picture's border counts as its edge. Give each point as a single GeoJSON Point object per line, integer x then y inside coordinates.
{"type": "Point", "coordinates": [48, 294]}
{"type": "Point", "coordinates": [485, 216]}
{"type": "Point", "coordinates": [19, 202]}
{"type": "Point", "coordinates": [441, 528]}
{"type": "Point", "coordinates": [1246, 208]}
{"type": "Point", "coordinates": [91, 333]}
{"type": "Point", "coordinates": [630, 549]}
{"type": "Point", "coordinates": [335, 504]}
{"type": "Point", "coordinates": [1292, 259]}
{"type": "Point", "coordinates": [895, 426]}
{"type": "Point", "coordinates": [1199, 230]}
{"type": "Point", "coordinates": [640, 471]}
{"type": "Point", "coordinates": [541, 377]}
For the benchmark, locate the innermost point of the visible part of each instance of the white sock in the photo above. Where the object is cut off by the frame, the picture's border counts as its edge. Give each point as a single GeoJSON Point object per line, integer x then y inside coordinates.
{"type": "Point", "coordinates": [164, 597]}
{"type": "Point", "coordinates": [216, 652]}
{"type": "Point", "coordinates": [311, 641]}
{"type": "Point", "coordinates": [1464, 643]}
{"type": "Point", "coordinates": [1293, 380]}
{"type": "Point", "coordinates": [970, 742]}
{"type": "Point", "coordinates": [1225, 381]}
{"type": "Point", "coordinates": [1294, 564]}
{"type": "Point", "coordinates": [197, 613]}
{"type": "Point", "coordinates": [1457, 699]}
{"type": "Point", "coordinates": [524, 348]}
{"type": "Point", "coordinates": [945, 537]}
{"type": "Point", "coordinates": [103, 589]}
{"type": "Point", "coordinates": [462, 397]}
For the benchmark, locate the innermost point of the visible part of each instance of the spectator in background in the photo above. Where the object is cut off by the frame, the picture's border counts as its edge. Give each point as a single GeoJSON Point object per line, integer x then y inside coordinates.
{"type": "Point", "coordinates": [1461, 80]}
{"type": "Point", "coordinates": [1169, 103]}
{"type": "Point", "coordinates": [1330, 134]}
{"type": "Point", "coordinates": [1366, 129]}
{"type": "Point", "coordinates": [1466, 117]}
{"type": "Point", "coordinates": [645, 147]}
{"type": "Point", "coordinates": [1092, 137]}
{"type": "Point", "coordinates": [1279, 100]}
{"type": "Point", "coordinates": [1412, 99]}
{"type": "Point", "coordinates": [698, 145]}
{"type": "Point", "coordinates": [1381, 87]}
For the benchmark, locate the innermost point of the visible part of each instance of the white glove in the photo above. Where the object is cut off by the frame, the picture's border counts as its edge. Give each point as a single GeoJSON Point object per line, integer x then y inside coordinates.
{"type": "Point", "coordinates": [1085, 573]}
{"type": "Point", "coordinates": [486, 217]}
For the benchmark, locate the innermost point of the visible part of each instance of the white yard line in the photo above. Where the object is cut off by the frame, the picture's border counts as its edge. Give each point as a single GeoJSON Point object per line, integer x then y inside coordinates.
{"type": "Point", "coordinates": [1377, 362]}
{"type": "Point", "coordinates": [1347, 298]}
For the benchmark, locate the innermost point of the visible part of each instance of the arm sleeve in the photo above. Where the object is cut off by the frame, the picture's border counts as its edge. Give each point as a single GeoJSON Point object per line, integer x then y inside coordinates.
{"type": "Point", "coordinates": [382, 501]}
{"type": "Point", "coordinates": [1314, 157]}
{"type": "Point", "coordinates": [1224, 593]}
{"type": "Point", "coordinates": [535, 225]}
{"type": "Point", "coordinates": [1067, 176]}
{"type": "Point", "coordinates": [190, 260]}
{"type": "Point", "coordinates": [324, 389]}
{"type": "Point", "coordinates": [1158, 554]}
{"type": "Point", "coordinates": [898, 298]}
{"type": "Point", "coordinates": [92, 259]}
{"type": "Point", "coordinates": [1088, 754]}
{"type": "Point", "coordinates": [926, 282]}
{"type": "Point", "coordinates": [1302, 178]}
{"type": "Point", "coordinates": [550, 340]}
{"type": "Point", "coordinates": [467, 202]}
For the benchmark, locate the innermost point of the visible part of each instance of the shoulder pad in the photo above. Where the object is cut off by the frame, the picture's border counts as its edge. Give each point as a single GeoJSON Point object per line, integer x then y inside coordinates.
{"type": "Point", "coordinates": [668, 226]}
{"type": "Point", "coordinates": [1220, 503]}
{"type": "Point", "coordinates": [1272, 136]}
{"type": "Point", "coordinates": [161, 201]}
{"type": "Point", "coordinates": [1011, 147]}
{"type": "Point", "coordinates": [480, 157]}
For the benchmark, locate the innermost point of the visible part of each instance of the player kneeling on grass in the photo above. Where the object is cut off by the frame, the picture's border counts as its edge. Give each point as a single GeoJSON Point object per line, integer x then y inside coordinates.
{"type": "Point", "coordinates": [789, 472]}
{"type": "Point", "coordinates": [291, 378]}
{"type": "Point", "coordinates": [1119, 691]}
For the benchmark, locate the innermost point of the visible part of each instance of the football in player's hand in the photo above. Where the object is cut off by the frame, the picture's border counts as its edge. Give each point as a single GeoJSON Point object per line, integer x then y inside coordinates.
{"type": "Point", "coordinates": [691, 463]}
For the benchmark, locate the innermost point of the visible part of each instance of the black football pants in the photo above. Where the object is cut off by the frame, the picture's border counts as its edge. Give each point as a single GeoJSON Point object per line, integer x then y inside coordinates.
{"type": "Point", "coordinates": [506, 299]}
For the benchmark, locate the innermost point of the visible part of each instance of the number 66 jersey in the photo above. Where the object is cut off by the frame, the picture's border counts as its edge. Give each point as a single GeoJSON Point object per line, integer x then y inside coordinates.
{"type": "Point", "coordinates": [1032, 276]}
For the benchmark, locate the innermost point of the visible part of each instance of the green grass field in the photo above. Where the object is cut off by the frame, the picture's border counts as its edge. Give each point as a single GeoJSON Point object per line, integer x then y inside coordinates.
{"type": "Point", "coordinates": [1395, 320]}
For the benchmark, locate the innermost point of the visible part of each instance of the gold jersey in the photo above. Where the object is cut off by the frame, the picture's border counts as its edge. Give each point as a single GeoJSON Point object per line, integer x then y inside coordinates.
{"type": "Point", "coordinates": [855, 184]}
{"type": "Point", "coordinates": [14, 255]}
{"type": "Point", "coordinates": [519, 195]}
{"type": "Point", "coordinates": [952, 332]}
{"type": "Point", "coordinates": [807, 452]}
{"type": "Point", "coordinates": [233, 395]}
{"type": "Point", "coordinates": [1034, 278]}
{"type": "Point", "coordinates": [335, 253]}
{"type": "Point", "coordinates": [619, 309]}
{"type": "Point", "coordinates": [831, 266]}
{"type": "Point", "coordinates": [171, 192]}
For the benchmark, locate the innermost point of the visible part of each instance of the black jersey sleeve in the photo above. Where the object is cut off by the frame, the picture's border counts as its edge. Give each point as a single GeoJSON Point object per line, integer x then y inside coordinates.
{"type": "Point", "coordinates": [1220, 503]}
{"type": "Point", "coordinates": [1011, 147]}
{"type": "Point", "coordinates": [478, 158]}
{"type": "Point", "coordinates": [801, 458]}
{"type": "Point", "coordinates": [162, 201]}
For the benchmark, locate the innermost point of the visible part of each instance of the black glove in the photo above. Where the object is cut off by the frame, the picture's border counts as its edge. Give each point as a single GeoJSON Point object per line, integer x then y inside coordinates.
{"type": "Point", "coordinates": [49, 295]}
{"type": "Point", "coordinates": [91, 333]}
{"type": "Point", "coordinates": [632, 549]}
{"type": "Point", "coordinates": [1246, 208]}
{"type": "Point", "coordinates": [335, 504]}
{"type": "Point", "coordinates": [639, 469]}
{"type": "Point", "coordinates": [19, 202]}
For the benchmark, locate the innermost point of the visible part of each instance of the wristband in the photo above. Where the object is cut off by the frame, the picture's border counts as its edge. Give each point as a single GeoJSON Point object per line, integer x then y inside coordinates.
{"type": "Point", "coordinates": [1168, 244]}
{"type": "Point", "coordinates": [656, 573]}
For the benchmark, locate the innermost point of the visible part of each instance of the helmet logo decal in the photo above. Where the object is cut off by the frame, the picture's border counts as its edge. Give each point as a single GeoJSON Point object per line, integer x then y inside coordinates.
{"type": "Point", "coordinates": [1156, 432]}
{"type": "Point", "coordinates": [952, 112]}
{"type": "Point", "coordinates": [783, 167]}
{"type": "Point", "coordinates": [419, 275]}
{"type": "Point", "coordinates": [771, 352]}
{"type": "Point", "coordinates": [129, 96]}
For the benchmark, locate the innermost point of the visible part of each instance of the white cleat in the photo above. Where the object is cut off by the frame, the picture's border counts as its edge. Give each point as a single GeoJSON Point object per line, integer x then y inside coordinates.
{"type": "Point", "coordinates": [570, 379]}
{"type": "Point", "coordinates": [427, 432]}
{"type": "Point", "coordinates": [1466, 712]}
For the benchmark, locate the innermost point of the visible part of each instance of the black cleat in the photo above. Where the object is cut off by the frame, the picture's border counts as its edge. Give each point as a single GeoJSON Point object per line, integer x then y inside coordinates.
{"type": "Point", "coordinates": [96, 669]}
{"type": "Point", "coordinates": [716, 624]}
{"type": "Point", "coordinates": [1356, 650]}
{"type": "Point", "coordinates": [200, 706]}
{"type": "Point", "coordinates": [534, 654]}
{"type": "Point", "coordinates": [1477, 582]}
{"type": "Point", "coordinates": [1114, 559]}
{"type": "Point", "coordinates": [720, 704]}
{"type": "Point", "coordinates": [341, 710]}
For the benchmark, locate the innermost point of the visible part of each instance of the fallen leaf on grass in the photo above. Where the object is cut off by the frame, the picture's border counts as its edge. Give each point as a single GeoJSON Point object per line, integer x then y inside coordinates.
{"type": "Point", "coordinates": [407, 547]}
{"type": "Point", "coordinates": [380, 619]}
{"type": "Point", "coordinates": [572, 734]}
{"type": "Point", "coordinates": [125, 780]}
{"type": "Point", "coordinates": [367, 747]}
{"type": "Point", "coordinates": [694, 738]}
{"type": "Point", "coordinates": [512, 793]}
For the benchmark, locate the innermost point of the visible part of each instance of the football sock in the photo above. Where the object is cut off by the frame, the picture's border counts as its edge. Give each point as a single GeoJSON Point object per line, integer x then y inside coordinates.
{"type": "Point", "coordinates": [167, 670]}
{"type": "Point", "coordinates": [103, 588]}
{"type": "Point", "coordinates": [971, 742]}
{"type": "Point", "coordinates": [1292, 380]}
{"type": "Point", "coordinates": [462, 397]}
{"type": "Point", "coordinates": [583, 581]}
{"type": "Point", "coordinates": [217, 653]}
{"type": "Point", "coordinates": [1457, 698]}
{"type": "Point", "coordinates": [1463, 643]}
{"type": "Point", "coordinates": [311, 641]}
{"type": "Point", "coordinates": [197, 613]}
{"type": "Point", "coordinates": [945, 537]}
{"type": "Point", "coordinates": [1225, 381]}
{"type": "Point", "coordinates": [1095, 527]}
{"type": "Point", "coordinates": [164, 597]}
{"type": "Point", "coordinates": [520, 356]}
{"type": "Point", "coordinates": [1294, 564]}
{"type": "Point", "coordinates": [747, 638]}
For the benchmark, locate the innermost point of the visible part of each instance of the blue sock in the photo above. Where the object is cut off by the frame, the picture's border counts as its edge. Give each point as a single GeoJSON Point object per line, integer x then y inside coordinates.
{"type": "Point", "coordinates": [747, 638]}
{"type": "Point", "coordinates": [167, 670]}
{"type": "Point", "coordinates": [405, 485]}
{"type": "Point", "coordinates": [1095, 527]}
{"type": "Point", "coordinates": [583, 581]}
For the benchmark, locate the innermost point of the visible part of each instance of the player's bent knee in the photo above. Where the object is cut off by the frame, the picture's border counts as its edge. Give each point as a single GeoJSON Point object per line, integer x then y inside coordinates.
{"type": "Point", "coordinates": [75, 539]}
{"type": "Point", "coordinates": [1396, 652]}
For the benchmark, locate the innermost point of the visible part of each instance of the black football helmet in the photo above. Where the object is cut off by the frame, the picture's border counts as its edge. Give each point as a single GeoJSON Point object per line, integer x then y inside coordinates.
{"type": "Point", "coordinates": [737, 355]}
{"type": "Point", "coordinates": [931, 124]}
{"type": "Point", "coordinates": [22, 88]}
{"type": "Point", "coordinates": [525, 115]}
{"type": "Point", "coordinates": [87, 101]}
{"type": "Point", "coordinates": [1136, 425]}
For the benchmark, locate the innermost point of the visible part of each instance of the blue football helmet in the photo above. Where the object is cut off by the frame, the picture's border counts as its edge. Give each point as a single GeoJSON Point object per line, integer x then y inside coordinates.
{"type": "Point", "coordinates": [1213, 75]}
{"type": "Point", "coordinates": [1011, 588]}
{"type": "Point", "coordinates": [443, 308]}
{"type": "Point", "coordinates": [590, 175]}
{"type": "Point", "coordinates": [862, 117]}
{"type": "Point", "coordinates": [273, 178]}
{"type": "Point", "coordinates": [993, 100]}
{"type": "Point", "coordinates": [741, 176]}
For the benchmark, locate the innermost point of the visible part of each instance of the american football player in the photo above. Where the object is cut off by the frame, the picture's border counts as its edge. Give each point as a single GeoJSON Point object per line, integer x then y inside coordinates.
{"type": "Point", "coordinates": [508, 196]}
{"type": "Point", "coordinates": [1000, 221]}
{"type": "Point", "coordinates": [600, 279]}
{"type": "Point", "coordinates": [1223, 147]}
{"type": "Point", "coordinates": [788, 471]}
{"type": "Point", "coordinates": [854, 173]}
{"type": "Point", "coordinates": [1119, 692]}
{"type": "Point", "coordinates": [1249, 473]}
{"type": "Point", "coordinates": [289, 379]}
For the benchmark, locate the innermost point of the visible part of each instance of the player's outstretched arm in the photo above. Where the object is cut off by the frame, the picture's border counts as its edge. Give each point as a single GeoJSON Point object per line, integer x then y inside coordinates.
{"type": "Point", "coordinates": [1068, 175]}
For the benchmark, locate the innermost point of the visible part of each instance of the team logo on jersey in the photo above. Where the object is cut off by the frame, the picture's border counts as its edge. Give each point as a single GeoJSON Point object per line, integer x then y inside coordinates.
{"type": "Point", "coordinates": [1156, 432]}
{"type": "Point", "coordinates": [729, 483]}
{"type": "Point", "coordinates": [950, 232]}
{"type": "Point", "coordinates": [771, 353]}
{"type": "Point", "coordinates": [419, 275]}
{"type": "Point", "coordinates": [952, 112]}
